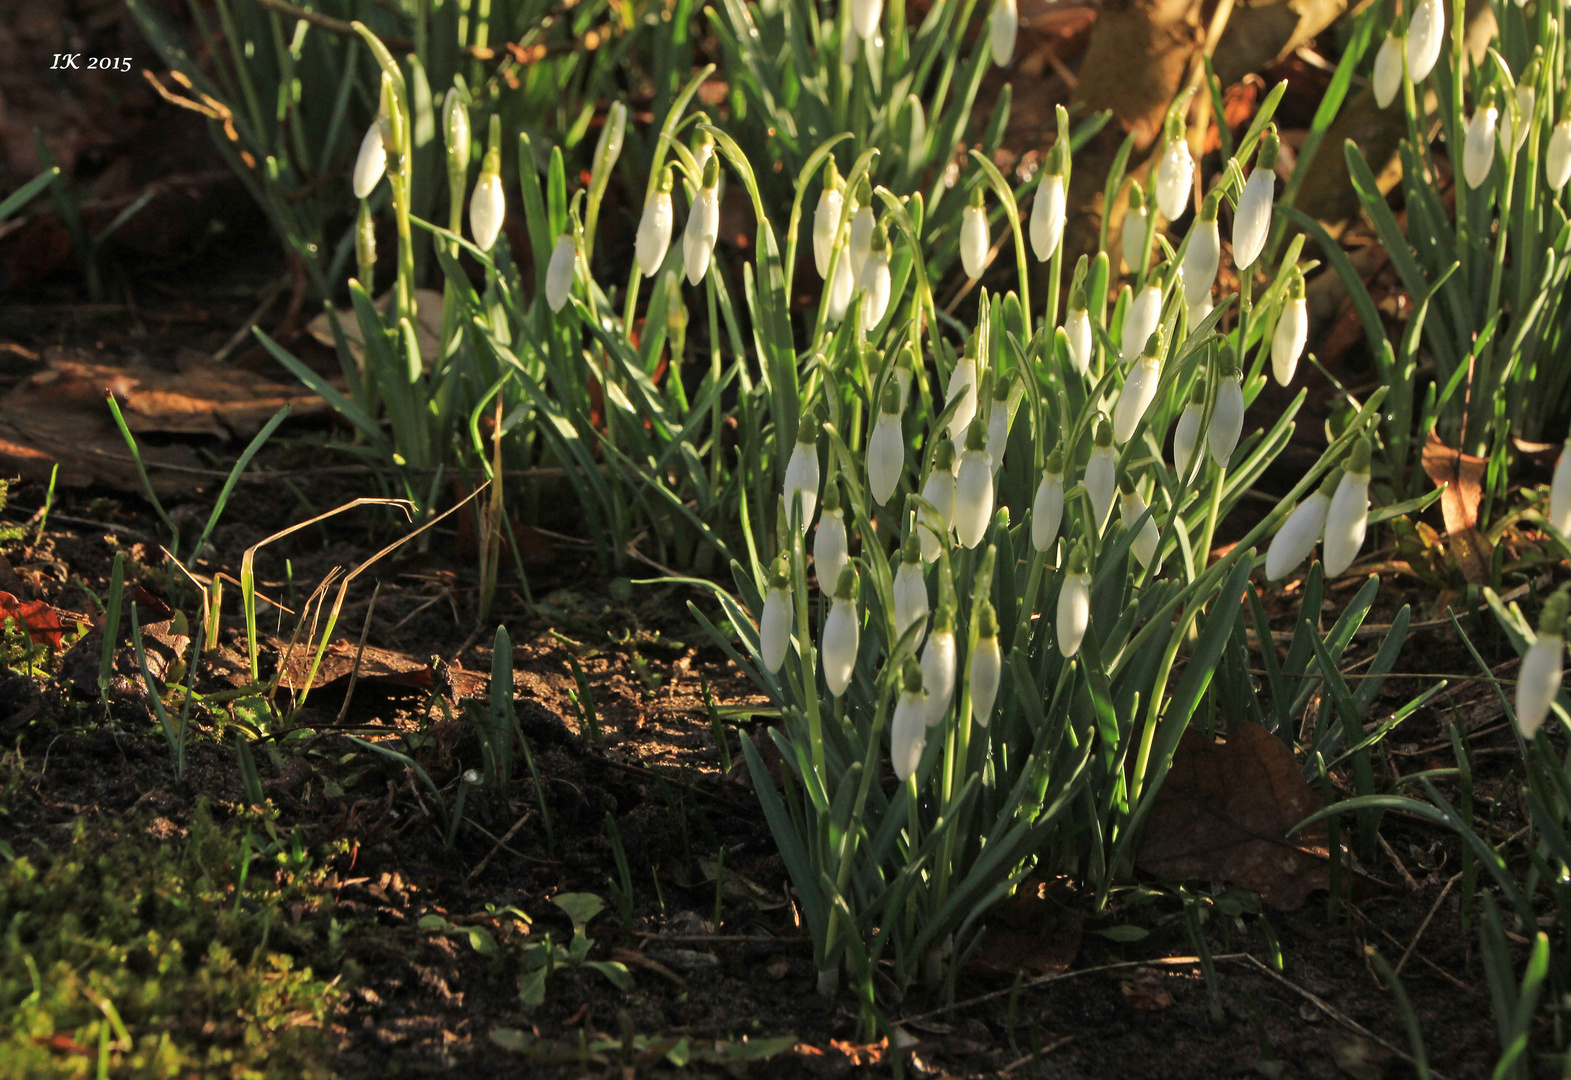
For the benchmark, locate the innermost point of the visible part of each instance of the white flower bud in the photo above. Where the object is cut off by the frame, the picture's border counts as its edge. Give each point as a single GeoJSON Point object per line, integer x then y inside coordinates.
{"type": "Point", "coordinates": [1002, 28]}
{"type": "Point", "coordinates": [864, 17]}
{"type": "Point", "coordinates": [886, 449]}
{"type": "Point", "coordinates": [1478, 152]}
{"type": "Point", "coordinates": [875, 282]}
{"type": "Point", "coordinates": [1426, 33]}
{"type": "Point", "coordinates": [1298, 535]}
{"type": "Point", "coordinates": [654, 230]}
{"type": "Point", "coordinates": [774, 628]}
{"type": "Point", "coordinates": [842, 639]}
{"type": "Point", "coordinates": [1099, 481]}
{"type": "Point", "coordinates": [1202, 257]}
{"type": "Point", "coordinates": [1347, 519]}
{"type": "Point", "coordinates": [1292, 331]}
{"type": "Point", "coordinates": [560, 271]}
{"type": "Point", "coordinates": [1074, 612]}
{"type": "Point", "coordinates": [938, 667]}
{"type": "Point", "coordinates": [910, 594]}
{"type": "Point", "coordinates": [1227, 416]}
{"type": "Point", "coordinates": [985, 671]}
{"type": "Point", "coordinates": [1560, 492]}
{"type": "Point", "coordinates": [801, 475]}
{"type": "Point", "coordinates": [841, 288]}
{"type": "Point", "coordinates": [1186, 436]}
{"type": "Point", "coordinates": [1077, 328]}
{"type": "Point", "coordinates": [1252, 221]}
{"type": "Point", "coordinates": [998, 431]}
{"type": "Point", "coordinates": [703, 229]}
{"type": "Point", "coordinates": [908, 732]}
{"type": "Point", "coordinates": [862, 223]}
{"type": "Point", "coordinates": [1142, 316]}
{"type": "Point", "coordinates": [974, 240]}
{"type": "Point", "coordinates": [371, 164]}
{"type": "Point", "coordinates": [1175, 175]}
{"type": "Point", "coordinates": [1557, 158]}
{"type": "Point", "coordinates": [938, 489]}
{"type": "Point", "coordinates": [830, 554]}
{"type": "Point", "coordinates": [1388, 70]}
{"type": "Point", "coordinates": [1048, 210]}
{"type": "Point", "coordinates": [1538, 682]}
{"type": "Point", "coordinates": [1047, 509]}
{"type": "Point", "coordinates": [962, 383]}
{"type": "Point", "coordinates": [487, 209]}
{"type": "Point", "coordinates": [1139, 390]}
{"type": "Point", "coordinates": [1130, 508]}
{"type": "Point", "coordinates": [1512, 137]}
{"type": "Point", "coordinates": [826, 220]}
{"type": "Point", "coordinates": [1133, 236]}
{"type": "Point", "coordinates": [973, 494]}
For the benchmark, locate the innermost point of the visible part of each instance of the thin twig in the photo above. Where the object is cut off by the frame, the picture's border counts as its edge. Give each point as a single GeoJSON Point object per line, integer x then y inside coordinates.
{"type": "Point", "coordinates": [1425, 924]}
{"type": "Point", "coordinates": [508, 835]}
{"type": "Point", "coordinates": [502, 843]}
{"type": "Point", "coordinates": [1056, 1044]}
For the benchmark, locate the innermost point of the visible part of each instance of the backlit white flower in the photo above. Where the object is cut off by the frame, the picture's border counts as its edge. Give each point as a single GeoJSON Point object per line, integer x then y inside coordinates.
{"type": "Point", "coordinates": [1557, 157]}
{"type": "Point", "coordinates": [1478, 152]}
{"type": "Point", "coordinates": [938, 665]}
{"type": "Point", "coordinates": [1227, 415]}
{"type": "Point", "coordinates": [1130, 508]}
{"type": "Point", "coordinates": [703, 225]}
{"type": "Point", "coordinates": [908, 728]}
{"type": "Point", "coordinates": [862, 223]}
{"type": "Point", "coordinates": [1388, 69]}
{"type": "Point", "coordinates": [774, 625]}
{"type": "Point", "coordinates": [654, 230]}
{"type": "Point", "coordinates": [974, 240]}
{"type": "Point", "coordinates": [1003, 26]}
{"type": "Point", "coordinates": [842, 635]}
{"type": "Point", "coordinates": [1139, 390]}
{"type": "Point", "coordinates": [1301, 531]}
{"type": "Point", "coordinates": [1133, 235]}
{"type": "Point", "coordinates": [1203, 255]}
{"type": "Point", "coordinates": [1511, 136]}
{"type": "Point", "coordinates": [1347, 519]}
{"type": "Point", "coordinates": [1100, 482]}
{"type": "Point", "coordinates": [1142, 316]}
{"type": "Point", "coordinates": [1543, 668]}
{"type": "Point", "coordinates": [939, 490]}
{"type": "Point", "coordinates": [1252, 221]}
{"type": "Point", "coordinates": [1048, 208]}
{"type": "Point", "coordinates": [875, 282]}
{"type": "Point", "coordinates": [826, 218]}
{"type": "Point", "coordinates": [1292, 331]}
{"type": "Point", "coordinates": [1426, 33]}
{"type": "Point", "coordinates": [1186, 434]}
{"type": "Point", "coordinates": [998, 423]}
{"type": "Point", "coordinates": [371, 163]}
{"type": "Point", "coordinates": [487, 206]}
{"type": "Point", "coordinates": [985, 671]}
{"type": "Point", "coordinates": [1074, 605]}
{"type": "Point", "coordinates": [1077, 328]}
{"type": "Point", "coordinates": [864, 17]}
{"type": "Point", "coordinates": [973, 491]}
{"type": "Point", "coordinates": [1175, 173]}
{"type": "Point", "coordinates": [559, 272]}
{"type": "Point", "coordinates": [830, 552]}
{"type": "Point", "coordinates": [840, 290]}
{"type": "Point", "coordinates": [1047, 509]}
{"type": "Point", "coordinates": [910, 590]}
{"type": "Point", "coordinates": [963, 387]}
{"type": "Point", "coordinates": [1560, 492]}
{"type": "Point", "coordinates": [801, 475]}
{"type": "Point", "coordinates": [886, 448]}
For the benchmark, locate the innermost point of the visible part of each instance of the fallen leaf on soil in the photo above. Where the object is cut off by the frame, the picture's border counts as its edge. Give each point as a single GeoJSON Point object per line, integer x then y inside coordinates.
{"type": "Point", "coordinates": [1146, 990]}
{"type": "Point", "coordinates": [634, 958]}
{"type": "Point", "coordinates": [1036, 931]}
{"type": "Point", "coordinates": [41, 621]}
{"type": "Point", "coordinates": [1463, 478]}
{"type": "Point", "coordinates": [1223, 814]}
{"type": "Point", "coordinates": [384, 666]}
{"type": "Point", "coordinates": [428, 326]}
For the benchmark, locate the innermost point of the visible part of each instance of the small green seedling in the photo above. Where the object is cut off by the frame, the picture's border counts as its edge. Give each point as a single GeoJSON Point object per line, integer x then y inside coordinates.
{"type": "Point", "coordinates": [541, 960]}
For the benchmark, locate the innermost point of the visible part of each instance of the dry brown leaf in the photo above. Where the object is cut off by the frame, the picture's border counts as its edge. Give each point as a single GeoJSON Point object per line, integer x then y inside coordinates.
{"type": "Point", "coordinates": [1463, 478]}
{"type": "Point", "coordinates": [385, 666]}
{"type": "Point", "coordinates": [428, 326]}
{"type": "Point", "coordinates": [1036, 931]}
{"type": "Point", "coordinates": [1224, 812]}
{"type": "Point", "coordinates": [41, 621]}
{"type": "Point", "coordinates": [1146, 990]}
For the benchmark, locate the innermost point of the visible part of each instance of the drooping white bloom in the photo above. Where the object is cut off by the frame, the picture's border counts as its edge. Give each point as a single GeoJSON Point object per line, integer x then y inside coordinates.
{"type": "Point", "coordinates": [1074, 605]}
{"type": "Point", "coordinates": [862, 223]}
{"type": "Point", "coordinates": [1347, 519]}
{"type": "Point", "coordinates": [488, 208]}
{"type": "Point", "coordinates": [1049, 208]}
{"type": "Point", "coordinates": [973, 491]}
{"type": "Point", "coordinates": [1203, 255]}
{"type": "Point", "coordinates": [1099, 481]}
{"type": "Point", "coordinates": [974, 240]}
{"type": "Point", "coordinates": [841, 289]}
{"type": "Point", "coordinates": [910, 590]}
{"type": "Point", "coordinates": [703, 151]}
{"type": "Point", "coordinates": [1543, 668]}
{"type": "Point", "coordinates": [1196, 313]}
{"type": "Point", "coordinates": [1139, 390]}
{"type": "Point", "coordinates": [1175, 173]}
{"type": "Point", "coordinates": [1292, 332]}
{"type": "Point", "coordinates": [998, 425]}
{"type": "Point", "coordinates": [908, 728]}
{"type": "Point", "coordinates": [875, 282]}
{"type": "Point", "coordinates": [703, 225]}
{"type": "Point", "coordinates": [1186, 434]}
{"type": "Point", "coordinates": [864, 17]}
{"type": "Point", "coordinates": [774, 625]}
{"type": "Point", "coordinates": [886, 448]}
{"type": "Point", "coordinates": [1557, 157]}
{"type": "Point", "coordinates": [1511, 136]}
{"type": "Point", "coordinates": [938, 665]}
{"type": "Point", "coordinates": [1560, 492]}
{"type": "Point", "coordinates": [1131, 506]}
{"type": "Point", "coordinates": [1077, 328]}
{"type": "Point", "coordinates": [1478, 152]}
{"type": "Point", "coordinates": [830, 554]}
{"type": "Point", "coordinates": [963, 386]}
{"type": "Point", "coordinates": [1227, 416]}
{"type": "Point", "coordinates": [842, 635]}
{"type": "Point", "coordinates": [985, 671]}
{"type": "Point", "coordinates": [371, 163]}
{"type": "Point", "coordinates": [939, 490]}
{"type": "Point", "coordinates": [1002, 28]}
{"type": "Point", "coordinates": [1426, 33]}
{"type": "Point", "coordinates": [1388, 69]}
{"type": "Point", "coordinates": [654, 230]}
{"type": "Point", "coordinates": [1301, 531]}
{"type": "Point", "coordinates": [826, 219]}
{"type": "Point", "coordinates": [1252, 221]}
{"type": "Point", "coordinates": [1133, 235]}
{"type": "Point", "coordinates": [1142, 316]}
{"type": "Point", "coordinates": [801, 475]}
{"type": "Point", "coordinates": [1047, 509]}
{"type": "Point", "coordinates": [559, 272]}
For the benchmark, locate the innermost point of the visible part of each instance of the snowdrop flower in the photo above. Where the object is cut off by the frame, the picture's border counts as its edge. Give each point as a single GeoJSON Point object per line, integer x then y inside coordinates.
{"type": "Point", "coordinates": [456, 132]}
{"type": "Point", "coordinates": [774, 626]}
{"type": "Point", "coordinates": [1513, 136]}
{"type": "Point", "coordinates": [1139, 390]}
{"type": "Point", "coordinates": [703, 149]}
{"type": "Point", "coordinates": [1048, 208]}
{"type": "Point", "coordinates": [1557, 158]}
{"type": "Point", "coordinates": [973, 490]}
{"type": "Point", "coordinates": [864, 17]}
{"type": "Point", "coordinates": [986, 669]}
{"type": "Point", "coordinates": [886, 448]}
{"type": "Point", "coordinates": [841, 288]}
{"type": "Point", "coordinates": [875, 282]}
{"type": "Point", "coordinates": [1227, 416]}
{"type": "Point", "coordinates": [1099, 482]}
{"type": "Point", "coordinates": [1134, 231]}
{"type": "Point", "coordinates": [560, 271]}
{"type": "Point", "coordinates": [1543, 667]}
{"type": "Point", "coordinates": [703, 225]}
{"type": "Point", "coordinates": [1047, 509]}
{"type": "Point", "coordinates": [939, 490]}
{"type": "Point", "coordinates": [1301, 531]}
{"type": "Point", "coordinates": [1196, 314]}
{"type": "Point", "coordinates": [1131, 506]}
{"type": "Point", "coordinates": [910, 590]}
{"type": "Point", "coordinates": [842, 635]}
{"type": "Point", "coordinates": [861, 228]}
{"type": "Point", "coordinates": [826, 218]}
{"type": "Point", "coordinates": [1388, 68]}
{"type": "Point", "coordinates": [371, 163]}
{"type": "Point", "coordinates": [1292, 331]}
{"type": "Point", "coordinates": [1142, 315]}
{"type": "Point", "coordinates": [1175, 173]}
{"type": "Point", "coordinates": [1002, 28]}
{"type": "Point", "coordinates": [1252, 220]}
{"type": "Point", "coordinates": [1077, 328]}
{"type": "Point", "coordinates": [801, 475]}
{"type": "Point", "coordinates": [974, 240]}
{"type": "Point", "coordinates": [963, 387]}
{"type": "Point", "coordinates": [1074, 604]}
{"type": "Point", "coordinates": [1186, 435]}
{"type": "Point", "coordinates": [365, 241]}
{"type": "Point", "coordinates": [1560, 492]}
{"type": "Point", "coordinates": [1347, 519]}
{"type": "Point", "coordinates": [998, 423]}
{"type": "Point", "coordinates": [488, 206]}
{"type": "Point", "coordinates": [654, 230]}
{"type": "Point", "coordinates": [908, 729]}
{"type": "Point", "coordinates": [1478, 152]}
{"type": "Point", "coordinates": [938, 664]}
{"type": "Point", "coordinates": [1203, 255]}
{"type": "Point", "coordinates": [830, 556]}
{"type": "Point", "coordinates": [1426, 33]}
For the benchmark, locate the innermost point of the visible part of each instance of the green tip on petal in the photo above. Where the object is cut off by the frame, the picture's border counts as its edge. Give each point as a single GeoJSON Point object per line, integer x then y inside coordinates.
{"type": "Point", "coordinates": [1358, 461]}
{"type": "Point", "coordinates": [1104, 430]}
{"type": "Point", "coordinates": [845, 588]}
{"type": "Point", "coordinates": [1553, 618]}
{"type": "Point", "coordinates": [986, 621]}
{"type": "Point", "coordinates": [1209, 208]}
{"type": "Point", "coordinates": [1153, 347]}
{"type": "Point", "coordinates": [1137, 196]}
{"type": "Point", "coordinates": [1197, 392]}
{"type": "Point", "coordinates": [864, 191]}
{"type": "Point", "coordinates": [1126, 484]}
{"type": "Point", "coordinates": [911, 677]}
{"type": "Point", "coordinates": [891, 400]}
{"type": "Point", "coordinates": [944, 456]}
{"type": "Point", "coordinates": [1332, 481]}
{"type": "Point", "coordinates": [911, 550]}
{"type": "Point", "coordinates": [1227, 360]}
{"type": "Point", "coordinates": [832, 495]}
{"type": "Point", "coordinates": [780, 573]}
{"type": "Point", "coordinates": [944, 621]}
{"type": "Point", "coordinates": [667, 181]}
{"type": "Point", "coordinates": [1078, 563]}
{"type": "Point", "coordinates": [1077, 298]}
{"type": "Point", "coordinates": [1055, 462]}
{"type": "Point", "coordinates": [976, 438]}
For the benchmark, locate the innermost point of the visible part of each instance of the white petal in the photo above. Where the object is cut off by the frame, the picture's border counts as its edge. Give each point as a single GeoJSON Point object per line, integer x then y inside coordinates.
{"type": "Point", "coordinates": [371, 163]}
{"type": "Point", "coordinates": [1287, 344]}
{"type": "Point", "coordinates": [654, 233]}
{"type": "Point", "coordinates": [698, 239]}
{"type": "Point", "coordinates": [973, 498]}
{"type": "Point", "coordinates": [801, 475]}
{"type": "Point", "coordinates": [1346, 522]}
{"type": "Point", "coordinates": [1201, 259]}
{"type": "Point", "coordinates": [973, 241]}
{"type": "Point", "coordinates": [885, 457]}
{"type": "Point", "coordinates": [1135, 398]}
{"type": "Point", "coordinates": [997, 435]}
{"type": "Point", "coordinates": [983, 675]}
{"type": "Point", "coordinates": [938, 674]}
{"type": "Point", "coordinates": [1252, 221]}
{"type": "Point", "coordinates": [1297, 537]}
{"type": "Point", "coordinates": [829, 549]}
{"type": "Point", "coordinates": [1557, 159]}
{"type": "Point", "coordinates": [962, 382]}
{"type": "Point", "coordinates": [1538, 682]}
{"type": "Point", "coordinates": [1047, 511]}
{"type": "Point", "coordinates": [1074, 612]}
{"type": "Point", "coordinates": [875, 285]}
{"type": "Point", "coordinates": [826, 219]}
{"type": "Point", "coordinates": [1002, 28]}
{"type": "Point", "coordinates": [864, 17]}
{"type": "Point", "coordinates": [774, 629]}
{"type": "Point", "coordinates": [940, 491]}
{"type": "Point", "coordinates": [1134, 239]}
{"type": "Point", "coordinates": [861, 240]}
{"type": "Point", "coordinates": [487, 208]}
{"type": "Point", "coordinates": [841, 640]}
{"type": "Point", "coordinates": [1077, 327]}
{"type": "Point", "coordinates": [908, 734]}
{"type": "Point", "coordinates": [910, 598]}
{"type": "Point", "coordinates": [1478, 152]}
{"type": "Point", "coordinates": [1388, 70]}
{"type": "Point", "coordinates": [1227, 421]}
{"type": "Point", "coordinates": [840, 290]}
{"type": "Point", "coordinates": [1047, 217]}
{"type": "Point", "coordinates": [1560, 492]}
{"type": "Point", "coordinates": [1100, 484]}
{"type": "Point", "coordinates": [1175, 176]}
{"type": "Point", "coordinates": [1186, 436]}
{"type": "Point", "coordinates": [1425, 36]}
{"type": "Point", "coordinates": [1130, 507]}
{"type": "Point", "coordinates": [1141, 318]}
{"type": "Point", "coordinates": [559, 272]}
